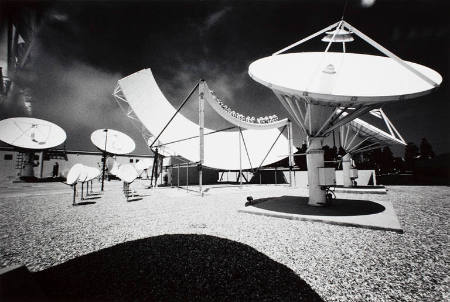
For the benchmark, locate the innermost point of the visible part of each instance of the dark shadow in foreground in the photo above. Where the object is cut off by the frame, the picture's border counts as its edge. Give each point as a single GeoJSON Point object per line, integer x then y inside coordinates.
{"type": "Point", "coordinates": [299, 205]}
{"type": "Point", "coordinates": [175, 268]}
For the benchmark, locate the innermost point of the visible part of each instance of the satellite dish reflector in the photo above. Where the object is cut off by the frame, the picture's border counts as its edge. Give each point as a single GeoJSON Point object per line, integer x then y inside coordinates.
{"type": "Point", "coordinates": [116, 141]}
{"type": "Point", "coordinates": [92, 173]}
{"type": "Point", "coordinates": [127, 173]}
{"type": "Point", "coordinates": [342, 78]}
{"type": "Point", "coordinates": [113, 166]}
{"type": "Point", "coordinates": [31, 133]}
{"type": "Point", "coordinates": [109, 163]}
{"type": "Point", "coordinates": [144, 164]}
{"type": "Point", "coordinates": [83, 174]}
{"type": "Point", "coordinates": [74, 174]}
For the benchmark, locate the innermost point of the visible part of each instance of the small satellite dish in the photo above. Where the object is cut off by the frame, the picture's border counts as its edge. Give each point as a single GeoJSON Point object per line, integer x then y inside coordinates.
{"type": "Point", "coordinates": [83, 174]}
{"type": "Point", "coordinates": [31, 133]}
{"type": "Point", "coordinates": [143, 164]}
{"type": "Point", "coordinates": [74, 174]}
{"type": "Point", "coordinates": [92, 173]}
{"type": "Point", "coordinates": [110, 163]}
{"type": "Point", "coordinates": [127, 173]}
{"type": "Point", "coordinates": [115, 168]}
{"type": "Point", "coordinates": [112, 141]}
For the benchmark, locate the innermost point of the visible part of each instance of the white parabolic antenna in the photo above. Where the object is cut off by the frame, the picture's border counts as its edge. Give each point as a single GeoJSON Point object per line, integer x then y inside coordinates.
{"type": "Point", "coordinates": [113, 166]}
{"type": "Point", "coordinates": [112, 141]}
{"type": "Point", "coordinates": [127, 173]}
{"type": "Point", "coordinates": [359, 136]}
{"type": "Point", "coordinates": [339, 79]}
{"type": "Point", "coordinates": [316, 88]}
{"type": "Point", "coordinates": [143, 164]}
{"type": "Point", "coordinates": [83, 177]}
{"type": "Point", "coordinates": [74, 174]}
{"type": "Point", "coordinates": [31, 133]}
{"type": "Point", "coordinates": [92, 173]}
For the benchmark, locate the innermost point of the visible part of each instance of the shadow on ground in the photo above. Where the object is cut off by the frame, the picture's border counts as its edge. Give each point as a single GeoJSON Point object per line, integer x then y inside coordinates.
{"type": "Point", "coordinates": [90, 197]}
{"type": "Point", "coordinates": [84, 203]}
{"type": "Point", "coordinates": [175, 268]}
{"type": "Point", "coordinates": [299, 205]}
{"type": "Point", "coordinates": [131, 199]}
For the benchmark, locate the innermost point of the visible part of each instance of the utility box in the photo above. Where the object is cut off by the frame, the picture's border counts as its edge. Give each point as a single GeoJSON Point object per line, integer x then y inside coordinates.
{"type": "Point", "coordinates": [353, 173]}
{"type": "Point", "coordinates": [327, 177]}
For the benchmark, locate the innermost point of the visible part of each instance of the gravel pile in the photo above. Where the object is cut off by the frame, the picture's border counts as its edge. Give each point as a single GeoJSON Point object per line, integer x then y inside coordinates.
{"type": "Point", "coordinates": [339, 263]}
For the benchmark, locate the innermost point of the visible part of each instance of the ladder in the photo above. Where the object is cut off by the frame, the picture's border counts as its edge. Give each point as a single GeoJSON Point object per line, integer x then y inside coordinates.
{"type": "Point", "coordinates": [19, 162]}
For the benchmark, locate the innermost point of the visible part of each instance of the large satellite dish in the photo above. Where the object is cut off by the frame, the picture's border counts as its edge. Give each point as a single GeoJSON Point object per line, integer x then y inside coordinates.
{"type": "Point", "coordinates": [359, 136]}
{"type": "Point", "coordinates": [31, 133]}
{"type": "Point", "coordinates": [112, 141]}
{"type": "Point", "coordinates": [342, 78]}
{"type": "Point", "coordinates": [317, 88]}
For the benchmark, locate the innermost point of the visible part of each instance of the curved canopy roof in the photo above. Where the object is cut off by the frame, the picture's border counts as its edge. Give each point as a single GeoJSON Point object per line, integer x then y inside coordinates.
{"type": "Point", "coordinates": [151, 107]}
{"type": "Point", "coordinates": [31, 133]}
{"type": "Point", "coordinates": [332, 78]}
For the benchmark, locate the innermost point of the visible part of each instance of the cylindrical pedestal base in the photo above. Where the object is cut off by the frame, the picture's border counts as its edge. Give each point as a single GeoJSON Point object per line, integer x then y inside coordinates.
{"type": "Point", "coordinates": [314, 161]}
{"type": "Point", "coordinates": [346, 166]}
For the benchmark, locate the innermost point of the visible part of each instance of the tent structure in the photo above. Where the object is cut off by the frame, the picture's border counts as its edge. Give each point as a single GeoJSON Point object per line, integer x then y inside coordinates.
{"type": "Point", "coordinates": [245, 145]}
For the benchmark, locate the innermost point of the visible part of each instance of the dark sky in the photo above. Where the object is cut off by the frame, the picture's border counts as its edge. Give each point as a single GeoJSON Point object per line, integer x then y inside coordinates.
{"type": "Point", "coordinates": [83, 48]}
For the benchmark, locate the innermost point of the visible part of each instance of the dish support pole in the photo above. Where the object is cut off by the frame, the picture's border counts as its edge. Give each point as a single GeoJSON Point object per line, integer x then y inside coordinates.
{"type": "Point", "coordinates": [314, 161]}
{"type": "Point", "coordinates": [201, 123]}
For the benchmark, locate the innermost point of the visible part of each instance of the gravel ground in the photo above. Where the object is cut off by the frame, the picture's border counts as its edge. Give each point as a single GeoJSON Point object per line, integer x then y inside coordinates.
{"type": "Point", "coordinates": [40, 228]}
{"type": "Point", "coordinates": [175, 268]}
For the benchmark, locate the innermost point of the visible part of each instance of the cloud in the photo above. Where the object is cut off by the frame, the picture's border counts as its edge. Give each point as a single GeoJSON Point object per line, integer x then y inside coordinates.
{"type": "Point", "coordinates": [216, 17]}
{"type": "Point", "coordinates": [367, 3]}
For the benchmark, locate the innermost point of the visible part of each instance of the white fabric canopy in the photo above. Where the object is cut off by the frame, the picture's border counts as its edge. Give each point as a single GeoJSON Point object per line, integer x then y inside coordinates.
{"type": "Point", "coordinates": [151, 107]}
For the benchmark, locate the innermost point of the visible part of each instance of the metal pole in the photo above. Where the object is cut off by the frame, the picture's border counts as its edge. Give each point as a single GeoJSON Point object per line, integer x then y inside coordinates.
{"type": "Point", "coordinates": [82, 187]}
{"type": "Point", "coordinates": [187, 177]}
{"type": "Point", "coordinates": [291, 159]}
{"type": "Point", "coordinates": [74, 193]}
{"type": "Point", "coordinates": [178, 176]}
{"type": "Point", "coordinates": [104, 159]}
{"type": "Point", "coordinates": [173, 116]}
{"type": "Point", "coordinates": [41, 164]}
{"type": "Point", "coordinates": [275, 175]}
{"type": "Point", "coordinates": [201, 122]}
{"type": "Point", "coordinates": [240, 159]}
